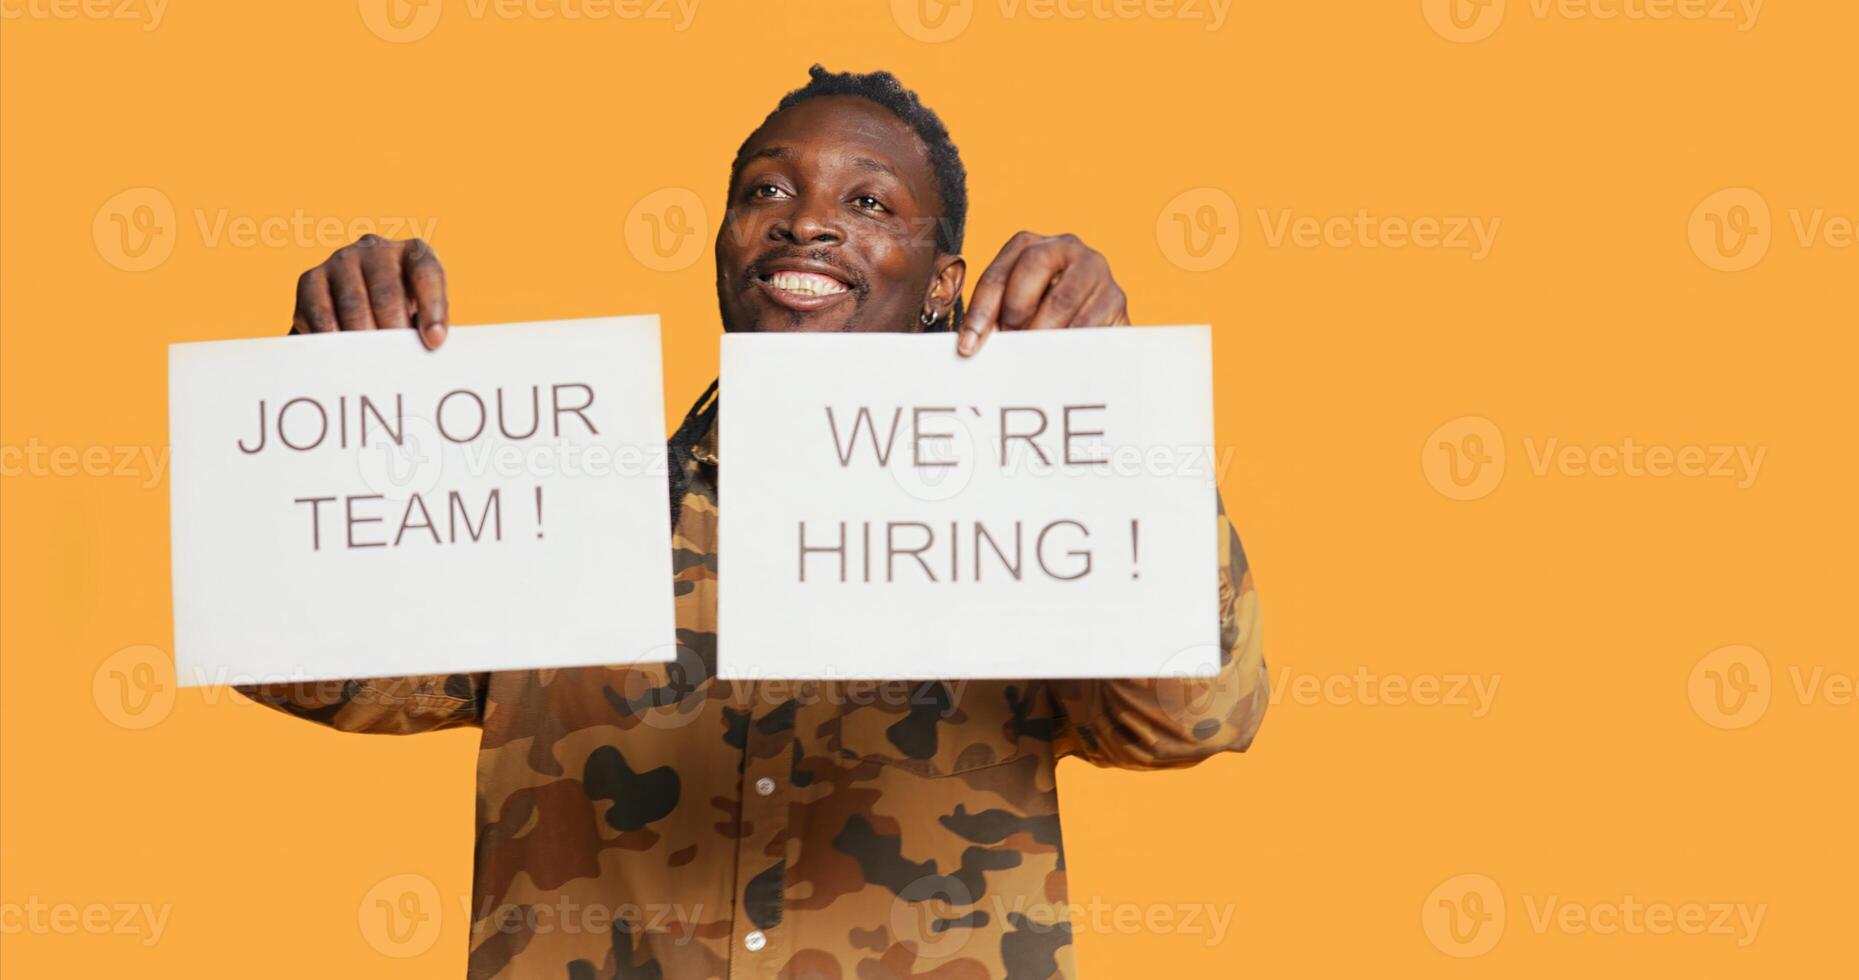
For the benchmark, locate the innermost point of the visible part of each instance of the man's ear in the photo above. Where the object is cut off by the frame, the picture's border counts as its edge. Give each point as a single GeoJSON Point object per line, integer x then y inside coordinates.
{"type": "Point", "coordinates": [945, 286]}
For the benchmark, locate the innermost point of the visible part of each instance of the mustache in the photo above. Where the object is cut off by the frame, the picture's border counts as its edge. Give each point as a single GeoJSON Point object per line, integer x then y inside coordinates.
{"type": "Point", "coordinates": [757, 267]}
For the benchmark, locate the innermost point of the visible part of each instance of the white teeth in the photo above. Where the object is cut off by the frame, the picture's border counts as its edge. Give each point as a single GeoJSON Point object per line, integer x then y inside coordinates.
{"type": "Point", "coordinates": [806, 283]}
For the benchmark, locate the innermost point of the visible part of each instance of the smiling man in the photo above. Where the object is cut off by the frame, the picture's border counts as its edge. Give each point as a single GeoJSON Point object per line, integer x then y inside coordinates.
{"type": "Point", "coordinates": [655, 823]}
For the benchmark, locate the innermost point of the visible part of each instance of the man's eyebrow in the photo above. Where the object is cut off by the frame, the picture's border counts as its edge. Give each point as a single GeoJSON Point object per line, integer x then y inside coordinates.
{"type": "Point", "coordinates": [787, 153]}
{"type": "Point", "coordinates": [867, 163]}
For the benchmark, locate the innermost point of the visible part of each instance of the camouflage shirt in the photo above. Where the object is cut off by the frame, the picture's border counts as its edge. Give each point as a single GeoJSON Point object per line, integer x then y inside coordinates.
{"type": "Point", "coordinates": [655, 823]}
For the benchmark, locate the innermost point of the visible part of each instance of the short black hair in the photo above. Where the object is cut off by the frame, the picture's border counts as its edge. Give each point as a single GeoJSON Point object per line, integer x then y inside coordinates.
{"type": "Point", "coordinates": [883, 88]}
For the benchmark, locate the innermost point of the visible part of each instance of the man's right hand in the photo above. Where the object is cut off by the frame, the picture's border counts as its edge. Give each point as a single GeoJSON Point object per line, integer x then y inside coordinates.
{"type": "Point", "coordinates": [374, 284]}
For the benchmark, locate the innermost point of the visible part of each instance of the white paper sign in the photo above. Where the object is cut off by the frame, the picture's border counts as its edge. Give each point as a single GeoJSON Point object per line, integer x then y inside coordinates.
{"type": "Point", "coordinates": [353, 505]}
{"type": "Point", "coordinates": [1044, 509]}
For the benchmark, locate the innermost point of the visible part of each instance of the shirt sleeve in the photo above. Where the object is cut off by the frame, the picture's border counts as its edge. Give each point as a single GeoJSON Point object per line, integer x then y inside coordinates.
{"type": "Point", "coordinates": [1167, 723]}
{"type": "Point", "coordinates": [380, 705]}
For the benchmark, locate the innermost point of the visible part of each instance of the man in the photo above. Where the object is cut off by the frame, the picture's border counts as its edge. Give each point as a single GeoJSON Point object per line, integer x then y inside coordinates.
{"type": "Point", "coordinates": [653, 822]}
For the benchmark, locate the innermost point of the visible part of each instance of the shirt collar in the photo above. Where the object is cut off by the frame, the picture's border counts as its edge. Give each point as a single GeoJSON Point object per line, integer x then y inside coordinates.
{"type": "Point", "coordinates": [704, 449]}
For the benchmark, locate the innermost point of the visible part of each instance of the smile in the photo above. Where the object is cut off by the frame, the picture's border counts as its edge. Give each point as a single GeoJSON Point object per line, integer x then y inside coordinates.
{"type": "Point", "coordinates": [806, 283]}
{"type": "Point", "coordinates": [802, 290]}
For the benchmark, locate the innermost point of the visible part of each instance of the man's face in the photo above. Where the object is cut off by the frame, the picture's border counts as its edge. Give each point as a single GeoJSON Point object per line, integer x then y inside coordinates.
{"type": "Point", "coordinates": [831, 225]}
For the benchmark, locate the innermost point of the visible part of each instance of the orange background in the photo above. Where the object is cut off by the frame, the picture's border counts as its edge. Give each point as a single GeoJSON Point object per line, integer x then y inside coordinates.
{"type": "Point", "coordinates": [1611, 763]}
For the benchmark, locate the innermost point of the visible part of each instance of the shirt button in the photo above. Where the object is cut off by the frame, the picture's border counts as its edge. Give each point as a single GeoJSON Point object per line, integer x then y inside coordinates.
{"type": "Point", "coordinates": [765, 786]}
{"type": "Point", "coordinates": [755, 941]}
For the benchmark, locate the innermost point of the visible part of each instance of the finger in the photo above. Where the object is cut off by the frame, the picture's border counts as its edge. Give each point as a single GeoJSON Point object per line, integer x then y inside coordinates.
{"type": "Point", "coordinates": [1108, 307]}
{"type": "Point", "coordinates": [315, 308]}
{"type": "Point", "coordinates": [1027, 285]}
{"type": "Point", "coordinates": [387, 295]}
{"type": "Point", "coordinates": [426, 281]}
{"type": "Point", "coordinates": [1065, 299]}
{"type": "Point", "coordinates": [984, 305]}
{"type": "Point", "coordinates": [349, 288]}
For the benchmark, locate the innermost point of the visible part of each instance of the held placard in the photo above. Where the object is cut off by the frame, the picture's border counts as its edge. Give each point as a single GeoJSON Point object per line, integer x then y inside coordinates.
{"type": "Point", "coordinates": [1046, 508]}
{"type": "Point", "coordinates": [352, 505]}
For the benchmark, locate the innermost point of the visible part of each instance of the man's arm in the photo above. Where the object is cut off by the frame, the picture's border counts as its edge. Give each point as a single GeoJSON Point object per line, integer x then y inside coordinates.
{"type": "Point", "coordinates": [376, 284]}
{"type": "Point", "coordinates": [381, 705]}
{"type": "Point", "coordinates": [1049, 282]}
{"type": "Point", "coordinates": [1168, 723]}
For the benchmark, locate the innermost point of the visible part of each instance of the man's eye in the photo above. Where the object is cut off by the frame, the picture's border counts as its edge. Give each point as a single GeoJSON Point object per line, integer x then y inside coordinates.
{"type": "Point", "coordinates": [766, 191]}
{"type": "Point", "coordinates": [868, 202]}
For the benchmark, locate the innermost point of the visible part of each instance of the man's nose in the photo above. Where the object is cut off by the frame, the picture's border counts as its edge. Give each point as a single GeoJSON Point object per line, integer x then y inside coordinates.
{"type": "Point", "coordinates": [811, 222]}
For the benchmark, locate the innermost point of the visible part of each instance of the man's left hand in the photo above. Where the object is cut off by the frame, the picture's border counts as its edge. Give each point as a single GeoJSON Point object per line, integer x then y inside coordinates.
{"type": "Point", "coordinates": [1041, 282]}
